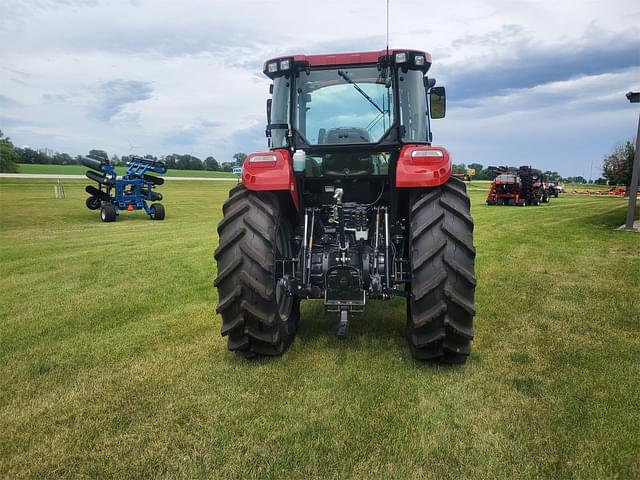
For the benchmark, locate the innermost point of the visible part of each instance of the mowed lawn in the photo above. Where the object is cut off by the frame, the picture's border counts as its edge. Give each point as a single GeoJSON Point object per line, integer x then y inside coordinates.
{"type": "Point", "coordinates": [112, 365]}
{"type": "Point", "coordinates": [81, 169]}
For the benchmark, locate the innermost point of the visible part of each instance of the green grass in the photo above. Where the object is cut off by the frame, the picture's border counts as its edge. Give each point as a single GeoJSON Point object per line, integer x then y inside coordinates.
{"type": "Point", "coordinates": [112, 365]}
{"type": "Point", "coordinates": [80, 170]}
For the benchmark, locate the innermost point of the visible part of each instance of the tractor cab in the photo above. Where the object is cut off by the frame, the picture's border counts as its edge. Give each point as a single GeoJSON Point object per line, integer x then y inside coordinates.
{"type": "Point", "coordinates": [363, 105]}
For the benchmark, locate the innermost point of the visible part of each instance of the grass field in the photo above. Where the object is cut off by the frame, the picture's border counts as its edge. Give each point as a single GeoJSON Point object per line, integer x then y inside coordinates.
{"type": "Point", "coordinates": [111, 363]}
{"type": "Point", "coordinates": [81, 169]}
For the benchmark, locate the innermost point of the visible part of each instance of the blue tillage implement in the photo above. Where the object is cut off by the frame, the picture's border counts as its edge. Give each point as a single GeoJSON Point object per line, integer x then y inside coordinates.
{"type": "Point", "coordinates": [133, 191]}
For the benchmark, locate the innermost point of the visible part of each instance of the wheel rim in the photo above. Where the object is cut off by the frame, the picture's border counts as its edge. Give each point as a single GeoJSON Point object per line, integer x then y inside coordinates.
{"type": "Point", "coordinates": [103, 215]}
{"type": "Point", "coordinates": [283, 299]}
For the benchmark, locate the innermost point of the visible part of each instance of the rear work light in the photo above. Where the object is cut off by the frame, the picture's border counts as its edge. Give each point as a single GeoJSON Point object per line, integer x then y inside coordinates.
{"type": "Point", "coordinates": [401, 57]}
{"type": "Point", "coordinates": [272, 67]}
{"type": "Point", "coordinates": [263, 159]}
{"type": "Point", "coordinates": [427, 153]}
{"type": "Point", "coordinates": [419, 60]}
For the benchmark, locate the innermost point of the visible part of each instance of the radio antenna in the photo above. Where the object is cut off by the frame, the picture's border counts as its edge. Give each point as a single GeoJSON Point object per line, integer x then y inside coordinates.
{"type": "Point", "coordinates": [387, 29]}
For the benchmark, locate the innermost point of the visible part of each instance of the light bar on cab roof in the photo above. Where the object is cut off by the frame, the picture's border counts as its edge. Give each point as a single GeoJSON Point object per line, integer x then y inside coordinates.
{"type": "Point", "coordinates": [285, 64]}
{"type": "Point", "coordinates": [401, 57]}
{"type": "Point", "coordinates": [278, 66]}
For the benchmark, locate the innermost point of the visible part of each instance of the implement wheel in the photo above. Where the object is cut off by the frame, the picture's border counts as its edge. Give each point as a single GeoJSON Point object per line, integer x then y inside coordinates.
{"type": "Point", "coordinates": [157, 211]}
{"type": "Point", "coordinates": [441, 301]}
{"type": "Point", "coordinates": [108, 212]}
{"type": "Point", "coordinates": [93, 203]}
{"type": "Point", "coordinates": [258, 314]}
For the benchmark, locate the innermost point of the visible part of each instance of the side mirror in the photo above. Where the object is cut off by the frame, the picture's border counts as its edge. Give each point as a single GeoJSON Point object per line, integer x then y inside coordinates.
{"type": "Point", "coordinates": [437, 102]}
{"type": "Point", "coordinates": [429, 82]}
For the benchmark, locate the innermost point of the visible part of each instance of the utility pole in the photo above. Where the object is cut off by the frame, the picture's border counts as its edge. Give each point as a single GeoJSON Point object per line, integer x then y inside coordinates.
{"type": "Point", "coordinates": [634, 97]}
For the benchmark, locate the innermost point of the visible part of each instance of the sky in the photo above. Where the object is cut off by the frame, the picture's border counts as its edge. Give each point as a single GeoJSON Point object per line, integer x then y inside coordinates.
{"type": "Point", "coordinates": [528, 82]}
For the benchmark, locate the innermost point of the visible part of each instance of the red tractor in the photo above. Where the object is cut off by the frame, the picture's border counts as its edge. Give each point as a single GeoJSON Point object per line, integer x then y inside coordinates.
{"type": "Point", "coordinates": [351, 203]}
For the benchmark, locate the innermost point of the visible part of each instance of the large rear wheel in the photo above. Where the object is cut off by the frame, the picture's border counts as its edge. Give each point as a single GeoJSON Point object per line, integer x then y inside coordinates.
{"type": "Point", "coordinates": [258, 314]}
{"type": "Point", "coordinates": [441, 301]}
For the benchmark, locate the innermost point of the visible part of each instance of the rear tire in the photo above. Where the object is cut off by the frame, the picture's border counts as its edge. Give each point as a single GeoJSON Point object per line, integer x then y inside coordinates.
{"type": "Point", "coordinates": [108, 212]}
{"type": "Point", "coordinates": [441, 302]}
{"type": "Point", "coordinates": [258, 315]}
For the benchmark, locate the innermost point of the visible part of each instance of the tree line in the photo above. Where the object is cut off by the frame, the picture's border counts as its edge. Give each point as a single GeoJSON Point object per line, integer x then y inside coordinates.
{"type": "Point", "coordinates": [11, 156]}
{"type": "Point", "coordinates": [616, 167]}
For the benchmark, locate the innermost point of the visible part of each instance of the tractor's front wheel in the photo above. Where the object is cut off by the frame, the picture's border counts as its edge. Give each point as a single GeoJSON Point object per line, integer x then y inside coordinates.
{"type": "Point", "coordinates": [258, 314]}
{"type": "Point", "coordinates": [441, 300]}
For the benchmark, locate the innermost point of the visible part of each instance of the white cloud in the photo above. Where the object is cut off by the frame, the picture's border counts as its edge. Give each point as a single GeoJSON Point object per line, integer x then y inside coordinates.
{"type": "Point", "coordinates": [187, 74]}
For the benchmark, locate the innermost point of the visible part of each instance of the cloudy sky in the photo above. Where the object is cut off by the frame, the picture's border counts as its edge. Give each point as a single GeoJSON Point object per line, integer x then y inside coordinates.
{"type": "Point", "coordinates": [537, 82]}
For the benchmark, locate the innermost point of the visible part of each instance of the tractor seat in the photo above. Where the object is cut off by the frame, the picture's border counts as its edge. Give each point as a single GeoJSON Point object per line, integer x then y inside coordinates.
{"type": "Point", "coordinates": [346, 135]}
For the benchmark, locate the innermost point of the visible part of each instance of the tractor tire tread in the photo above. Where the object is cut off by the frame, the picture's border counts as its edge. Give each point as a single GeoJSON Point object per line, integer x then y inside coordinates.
{"type": "Point", "coordinates": [441, 300]}
{"type": "Point", "coordinates": [245, 281]}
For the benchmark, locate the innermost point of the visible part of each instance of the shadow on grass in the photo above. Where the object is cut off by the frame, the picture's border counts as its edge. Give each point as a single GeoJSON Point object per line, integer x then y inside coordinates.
{"type": "Point", "coordinates": [381, 323]}
{"type": "Point", "coordinates": [611, 219]}
{"type": "Point", "coordinates": [377, 333]}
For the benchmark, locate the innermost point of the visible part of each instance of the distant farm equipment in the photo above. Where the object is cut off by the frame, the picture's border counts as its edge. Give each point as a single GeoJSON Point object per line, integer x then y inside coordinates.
{"type": "Point", "coordinates": [130, 192]}
{"type": "Point", "coordinates": [520, 187]}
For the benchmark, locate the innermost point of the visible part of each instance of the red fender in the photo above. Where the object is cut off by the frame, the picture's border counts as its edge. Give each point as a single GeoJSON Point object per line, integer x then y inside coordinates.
{"type": "Point", "coordinates": [269, 171]}
{"type": "Point", "coordinates": [423, 166]}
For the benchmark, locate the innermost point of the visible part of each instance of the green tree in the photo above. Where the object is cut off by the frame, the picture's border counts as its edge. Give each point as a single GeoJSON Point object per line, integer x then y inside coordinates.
{"type": "Point", "coordinates": [211, 163]}
{"type": "Point", "coordinates": [617, 166]}
{"type": "Point", "coordinates": [195, 163]}
{"type": "Point", "coordinates": [28, 155]}
{"type": "Point", "coordinates": [8, 155]}
{"type": "Point", "coordinates": [459, 168]}
{"type": "Point", "coordinates": [170, 161]}
{"type": "Point", "coordinates": [62, 159]}
{"type": "Point", "coordinates": [182, 162]}
{"type": "Point", "coordinates": [99, 155]}
{"type": "Point", "coordinates": [552, 176]}
{"type": "Point", "coordinates": [239, 158]}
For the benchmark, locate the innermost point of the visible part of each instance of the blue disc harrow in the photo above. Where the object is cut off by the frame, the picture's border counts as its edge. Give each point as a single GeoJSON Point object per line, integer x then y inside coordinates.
{"type": "Point", "coordinates": [133, 191]}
